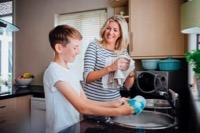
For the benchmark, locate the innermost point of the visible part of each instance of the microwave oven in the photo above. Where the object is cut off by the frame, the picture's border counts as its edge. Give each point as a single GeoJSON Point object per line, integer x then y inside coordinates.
{"type": "Point", "coordinates": [174, 80]}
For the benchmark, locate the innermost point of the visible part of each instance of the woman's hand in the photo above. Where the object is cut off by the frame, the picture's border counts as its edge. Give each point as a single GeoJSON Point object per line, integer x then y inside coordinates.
{"type": "Point", "coordinates": [123, 64]}
{"type": "Point", "coordinates": [120, 64]}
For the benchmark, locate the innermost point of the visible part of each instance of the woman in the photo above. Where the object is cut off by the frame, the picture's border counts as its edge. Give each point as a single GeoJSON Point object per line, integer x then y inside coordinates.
{"type": "Point", "coordinates": [114, 42]}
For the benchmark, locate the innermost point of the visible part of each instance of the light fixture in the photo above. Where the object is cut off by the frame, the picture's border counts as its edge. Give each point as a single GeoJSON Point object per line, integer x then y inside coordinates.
{"type": "Point", "coordinates": [6, 26]}
{"type": "Point", "coordinates": [190, 17]}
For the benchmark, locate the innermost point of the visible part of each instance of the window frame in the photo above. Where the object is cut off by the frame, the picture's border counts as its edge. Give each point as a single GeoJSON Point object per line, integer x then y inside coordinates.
{"type": "Point", "coordinates": [10, 79]}
{"type": "Point", "coordinates": [198, 42]}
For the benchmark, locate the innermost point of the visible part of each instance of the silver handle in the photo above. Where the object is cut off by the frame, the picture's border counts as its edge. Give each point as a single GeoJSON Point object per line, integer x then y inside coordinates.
{"type": "Point", "coordinates": [41, 109]}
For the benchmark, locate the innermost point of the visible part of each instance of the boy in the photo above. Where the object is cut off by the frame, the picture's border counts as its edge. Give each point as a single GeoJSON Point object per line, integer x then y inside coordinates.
{"type": "Point", "coordinates": [63, 93]}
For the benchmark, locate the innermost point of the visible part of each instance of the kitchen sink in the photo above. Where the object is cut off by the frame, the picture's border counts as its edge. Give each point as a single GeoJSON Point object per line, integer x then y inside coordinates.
{"type": "Point", "coordinates": [146, 120]}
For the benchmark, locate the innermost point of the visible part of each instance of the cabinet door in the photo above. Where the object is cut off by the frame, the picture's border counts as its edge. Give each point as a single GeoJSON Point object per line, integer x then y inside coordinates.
{"type": "Point", "coordinates": [23, 113]}
{"type": "Point", "coordinates": [38, 112]}
{"type": "Point", "coordinates": [155, 28]}
{"type": "Point", "coordinates": [7, 115]}
{"type": "Point", "coordinates": [15, 114]}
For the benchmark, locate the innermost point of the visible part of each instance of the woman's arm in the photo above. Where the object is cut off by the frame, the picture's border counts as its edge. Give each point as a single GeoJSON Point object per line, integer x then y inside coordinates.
{"type": "Point", "coordinates": [129, 80]}
{"type": "Point", "coordinates": [90, 108]}
{"type": "Point", "coordinates": [95, 75]}
{"type": "Point", "coordinates": [90, 59]}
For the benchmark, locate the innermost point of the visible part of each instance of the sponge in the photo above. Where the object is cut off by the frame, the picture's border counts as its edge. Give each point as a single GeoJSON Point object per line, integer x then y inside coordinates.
{"type": "Point", "coordinates": [137, 103]}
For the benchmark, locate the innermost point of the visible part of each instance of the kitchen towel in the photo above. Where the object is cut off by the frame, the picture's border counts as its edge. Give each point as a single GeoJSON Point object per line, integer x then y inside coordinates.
{"type": "Point", "coordinates": [116, 80]}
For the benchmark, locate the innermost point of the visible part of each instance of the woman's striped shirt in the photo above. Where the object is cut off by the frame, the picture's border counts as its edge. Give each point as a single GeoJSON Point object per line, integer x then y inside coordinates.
{"type": "Point", "coordinates": [95, 57]}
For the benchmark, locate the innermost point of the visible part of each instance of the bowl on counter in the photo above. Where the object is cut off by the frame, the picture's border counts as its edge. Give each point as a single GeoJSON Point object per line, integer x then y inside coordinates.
{"type": "Point", "coordinates": [150, 64]}
{"type": "Point", "coordinates": [169, 64]}
{"type": "Point", "coordinates": [23, 82]}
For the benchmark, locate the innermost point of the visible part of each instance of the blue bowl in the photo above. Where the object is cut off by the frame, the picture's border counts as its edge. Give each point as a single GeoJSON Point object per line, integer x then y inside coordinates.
{"type": "Point", "coordinates": [169, 65]}
{"type": "Point", "coordinates": [150, 64]}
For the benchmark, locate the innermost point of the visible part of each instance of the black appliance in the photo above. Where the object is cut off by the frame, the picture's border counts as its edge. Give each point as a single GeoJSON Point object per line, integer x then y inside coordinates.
{"type": "Point", "coordinates": [158, 81]}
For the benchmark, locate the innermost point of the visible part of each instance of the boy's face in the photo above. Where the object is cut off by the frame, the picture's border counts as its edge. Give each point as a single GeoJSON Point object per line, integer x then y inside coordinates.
{"type": "Point", "coordinates": [71, 50]}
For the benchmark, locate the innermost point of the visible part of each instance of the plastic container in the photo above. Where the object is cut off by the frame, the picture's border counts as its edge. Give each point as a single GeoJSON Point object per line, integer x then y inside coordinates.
{"type": "Point", "coordinates": [150, 64]}
{"type": "Point", "coordinates": [169, 64]}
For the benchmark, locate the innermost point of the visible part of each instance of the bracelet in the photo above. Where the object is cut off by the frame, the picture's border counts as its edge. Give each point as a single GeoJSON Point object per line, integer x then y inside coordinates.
{"type": "Point", "coordinates": [131, 74]}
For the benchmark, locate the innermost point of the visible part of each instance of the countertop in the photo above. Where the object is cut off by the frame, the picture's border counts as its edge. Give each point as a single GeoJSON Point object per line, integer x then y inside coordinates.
{"type": "Point", "coordinates": [16, 91]}
{"type": "Point", "coordinates": [88, 126]}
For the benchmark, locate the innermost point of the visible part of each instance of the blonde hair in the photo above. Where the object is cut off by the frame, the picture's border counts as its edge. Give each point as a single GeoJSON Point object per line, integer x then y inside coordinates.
{"type": "Point", "coordinates": [123, 41]}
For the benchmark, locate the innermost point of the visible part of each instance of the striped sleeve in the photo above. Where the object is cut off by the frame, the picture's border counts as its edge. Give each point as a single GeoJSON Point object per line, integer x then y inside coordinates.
{"type": "Point", "coordinates": [89, 59]}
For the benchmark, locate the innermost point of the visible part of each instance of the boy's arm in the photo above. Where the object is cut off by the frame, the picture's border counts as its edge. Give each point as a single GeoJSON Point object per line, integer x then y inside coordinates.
{"type": "Point", "coordinates": [115, 103]}
{"type": "Point", "coordinates": [91, 108]}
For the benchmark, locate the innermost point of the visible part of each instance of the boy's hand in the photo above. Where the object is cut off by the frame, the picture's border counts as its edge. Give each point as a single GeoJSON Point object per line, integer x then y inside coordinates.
{"type": "Point", "coordinates": [126, 109]}
{"type": "Point", "coordinates": [137, 103]}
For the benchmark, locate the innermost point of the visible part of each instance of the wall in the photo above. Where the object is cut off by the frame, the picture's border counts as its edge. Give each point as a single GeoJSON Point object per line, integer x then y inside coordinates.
{"type": "Point", "coordinates": [36, 19]}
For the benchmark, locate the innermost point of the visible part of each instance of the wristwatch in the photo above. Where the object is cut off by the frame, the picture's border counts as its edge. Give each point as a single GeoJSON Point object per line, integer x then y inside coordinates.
{"type": "Point", "coordinates": [131, 74]}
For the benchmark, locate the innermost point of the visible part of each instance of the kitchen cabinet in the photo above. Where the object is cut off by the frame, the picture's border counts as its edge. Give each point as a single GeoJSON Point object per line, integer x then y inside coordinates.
{"type": "Point", "coordinates": [120, 7]}
{"type": "Point", "coordinates": [38, 112]}
{"type": "Point", "coordinates": [15, 114]}
{"type": "Point", "coordinates": [23, 113]}
{"type": "Point", "coordinates": [155, 29]}
{"type": "Point", "coordinates": [7, 113]}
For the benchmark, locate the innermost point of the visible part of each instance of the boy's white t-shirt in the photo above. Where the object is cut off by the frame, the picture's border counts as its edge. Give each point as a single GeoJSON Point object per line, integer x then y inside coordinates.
{"type": "Point", "coordinates": [60, 113]}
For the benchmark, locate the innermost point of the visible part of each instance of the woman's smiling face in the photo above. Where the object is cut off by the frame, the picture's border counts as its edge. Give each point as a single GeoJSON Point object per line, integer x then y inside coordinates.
{"type": "Point", "coordinates": [112, 33]}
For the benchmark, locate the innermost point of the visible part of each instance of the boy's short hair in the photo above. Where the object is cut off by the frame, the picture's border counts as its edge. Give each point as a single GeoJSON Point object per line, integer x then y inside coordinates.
{"type": "Point", "coordinates": [61, 34]}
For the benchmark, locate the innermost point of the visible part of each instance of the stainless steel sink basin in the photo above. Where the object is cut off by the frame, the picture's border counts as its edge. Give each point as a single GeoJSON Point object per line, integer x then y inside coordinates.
{"type": "Point", "coordinates": [157, 104]}
{"type": "Point", "coordinates": [146, 120]}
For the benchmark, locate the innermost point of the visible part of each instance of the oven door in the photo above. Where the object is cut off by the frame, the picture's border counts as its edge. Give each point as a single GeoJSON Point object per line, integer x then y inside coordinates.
{"type": "Point", "coordinates": [148, 82]}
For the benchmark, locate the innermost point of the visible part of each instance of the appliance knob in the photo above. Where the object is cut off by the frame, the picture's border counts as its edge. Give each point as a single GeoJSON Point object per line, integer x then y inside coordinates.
{"type": "Point", "coordinates": [163, 79]}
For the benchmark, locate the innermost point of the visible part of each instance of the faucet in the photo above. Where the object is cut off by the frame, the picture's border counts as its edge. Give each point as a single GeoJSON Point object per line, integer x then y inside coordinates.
{"type": "Point", "coordinates": [170, 96]}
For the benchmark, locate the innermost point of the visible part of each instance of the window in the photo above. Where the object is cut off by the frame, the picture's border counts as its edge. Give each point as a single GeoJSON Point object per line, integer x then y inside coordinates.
{"type": "Point", "coordinates": [6, 44]}
{"type": "Point", "coordinates": [89, 24]}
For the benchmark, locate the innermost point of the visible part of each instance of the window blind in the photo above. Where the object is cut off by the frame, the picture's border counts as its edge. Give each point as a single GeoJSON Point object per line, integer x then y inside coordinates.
{"type": "Point", "coordinates": [89, 24]}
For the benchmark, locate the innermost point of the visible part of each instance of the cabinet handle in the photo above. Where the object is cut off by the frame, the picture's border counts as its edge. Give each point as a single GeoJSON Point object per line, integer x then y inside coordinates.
{"type": "Point", "coordinates": [3, 106]}
{"type": "Point", "coordinates": [42, 109]}
{"type": "Point", "coordinates": [2, 121]}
